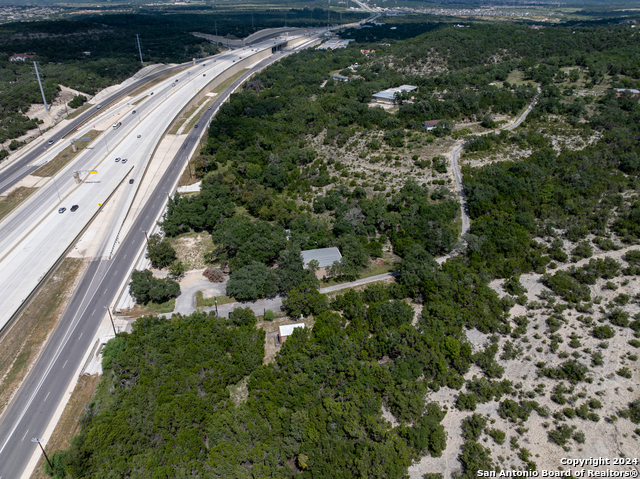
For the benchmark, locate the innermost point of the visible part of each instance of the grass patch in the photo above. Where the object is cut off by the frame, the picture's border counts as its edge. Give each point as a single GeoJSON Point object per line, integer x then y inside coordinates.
{"type": "Point", "coordinates": [227, 83]}
{"type": "Point", "coordinates": [69, 423]}
{"type": "Point", "coordinates": [137, 102]}
{"type": "Point", "coordinates": [12, 200]}
{"type": "Point", "coordinates": [151, 308]}
{"type": "Point", "coordinates": [80, 111]}
{"type": "Point", "coordinates": [65, 156]}
{"type": "Point", "coordinates": [202, 302]}
{"type": "Point", "coordinates": [186, 115]}
{"type": "Point", "coordinates": [21, 344]}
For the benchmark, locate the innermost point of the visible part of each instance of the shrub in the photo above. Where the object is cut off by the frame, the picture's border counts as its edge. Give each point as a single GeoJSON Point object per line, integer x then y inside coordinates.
{"type": "Point", "coordinates": [77, 101]}
{"type": "Point", "coordinates": [473, 426]}
{"type": "Point", "coordinates": [268, 315]}
{"type": "Point", "coordinates": [144, 287]}
{"type": "Point", "coordinates": [602, 332]}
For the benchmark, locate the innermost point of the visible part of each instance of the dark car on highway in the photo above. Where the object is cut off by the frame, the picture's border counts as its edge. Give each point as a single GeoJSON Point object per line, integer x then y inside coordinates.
{"type": "Point", "coordinates": [74, 208]}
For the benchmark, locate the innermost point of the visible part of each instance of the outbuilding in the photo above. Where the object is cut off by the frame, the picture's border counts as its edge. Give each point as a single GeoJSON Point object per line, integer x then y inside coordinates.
{"type": "Point", "coordinates": [287, 330]}
{"type": "Point", "coordinates": [324, 257]}
{"type": "Point", "coordinates": [389, 95]}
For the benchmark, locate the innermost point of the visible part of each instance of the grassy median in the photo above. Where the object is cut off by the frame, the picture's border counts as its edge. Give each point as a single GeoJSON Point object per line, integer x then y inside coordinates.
{"type": "Point", "coordinates": [66, 155]}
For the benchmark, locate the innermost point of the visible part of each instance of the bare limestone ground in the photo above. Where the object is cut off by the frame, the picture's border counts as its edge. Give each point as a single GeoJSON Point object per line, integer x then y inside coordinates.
{"type": "Point", "coordinates": [611, 436]}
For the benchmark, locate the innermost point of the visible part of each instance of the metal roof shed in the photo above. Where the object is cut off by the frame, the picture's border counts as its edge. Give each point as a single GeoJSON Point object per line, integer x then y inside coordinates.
{"type": "Point", "coordinates": [324, 256]}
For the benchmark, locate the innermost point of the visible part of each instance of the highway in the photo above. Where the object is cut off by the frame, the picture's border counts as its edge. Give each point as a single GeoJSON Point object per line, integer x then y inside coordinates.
{"type": "Point", "coordinates": [20, 168]}
{"type": "Point", "coordinates": [34, 404]}
{"type": "Point", "coordinates": [35, 235]}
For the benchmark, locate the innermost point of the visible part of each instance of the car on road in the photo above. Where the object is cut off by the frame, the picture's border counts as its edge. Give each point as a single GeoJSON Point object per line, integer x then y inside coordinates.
{"type": "Point", "coordinates": [139, 136]}
{"type": "Point", "coordinates": [209, 108]}
{"type": "Point", "coordinates": [195, 126]}
{"type": "Point", "coordinates": [98, 107]}
{"type": "Point", "coordinates": [133, 112]}
{"type": "Point", "coordinates": [131, 181]}
{"type": "Point", "coordinates": [124, 160]}
{"type": "Point", "coordinates": [62, 210]}
{"type": "Point", "coordinates": [51, 142]}
{"type": "Point", "coordinates": [151, 93]}
{"type": "Point", "coordinates": [117, 159]}
{"type": "Point", "coordinates": [204, 74]}
{"type": "Point", "coordinates": [74, 208]}
{"type": "Point", "coordinates": [173, 84]}
{"type": "Point", "coordinates": [176, 80]}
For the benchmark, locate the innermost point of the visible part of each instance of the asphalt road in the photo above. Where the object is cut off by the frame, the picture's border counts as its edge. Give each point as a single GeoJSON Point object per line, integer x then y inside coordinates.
{"type": "Point", "coordinates": [35, 403]}
{"type": "Point", "coordinates": [22, 167]}
{"type": "Point", "coordinates": [35, 235]}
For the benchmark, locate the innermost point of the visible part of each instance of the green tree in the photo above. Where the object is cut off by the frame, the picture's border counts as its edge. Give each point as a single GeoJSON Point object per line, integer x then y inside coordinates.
{"type": "Point", "coordinates": [291, 271]}
{"type": "Point", "coordinates": [160, 251]}
{"type": "Point", "coordinates": [251, 282]}
{"type": "Point", "coordinates": [144, 287]}
{"type": "Point", "coordinates": [305, 300]}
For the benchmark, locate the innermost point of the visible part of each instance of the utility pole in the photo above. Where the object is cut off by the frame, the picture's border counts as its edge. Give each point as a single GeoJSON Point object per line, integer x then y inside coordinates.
{"type": "Point", "coordinates": [35, 439]}
{"type": "Point", "coordinates": [111, 318]}
{"type": "Point", "coordinates": [46, 107]}
{"type": "Point", "coordinates": [139, 49]}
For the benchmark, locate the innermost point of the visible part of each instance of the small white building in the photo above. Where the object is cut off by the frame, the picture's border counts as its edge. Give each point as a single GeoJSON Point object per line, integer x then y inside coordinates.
{"type": "Point", "coordinates": [287, 330]}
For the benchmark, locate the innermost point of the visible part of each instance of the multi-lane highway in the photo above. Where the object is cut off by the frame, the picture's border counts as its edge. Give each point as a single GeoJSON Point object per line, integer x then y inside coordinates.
{"type": "Point", "coordinates": [35, 403]}
{"type": "Point", "coordinates": [20, 168]}
{"type": "Point", "coordinates": [35, 235]}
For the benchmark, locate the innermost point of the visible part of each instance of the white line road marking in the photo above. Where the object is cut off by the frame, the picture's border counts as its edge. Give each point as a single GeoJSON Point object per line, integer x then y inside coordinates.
{"type": "Point", "coordinates": [80, 336]}
{"type": "Point", "coordinates": [94, 312]}
{"type": "Point", "coordinates": [25, 435]}
{"type": "Point", "coordinates": [47, 396]}
{"type": "Point", "coordinates": [65, 363]}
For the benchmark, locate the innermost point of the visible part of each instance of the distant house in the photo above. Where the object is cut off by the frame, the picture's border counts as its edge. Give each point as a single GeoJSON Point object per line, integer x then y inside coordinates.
{"type": "Point", "coordinates": [287, 330]}
{"type": "Point", "coordinates": [536, 27]}
{"type": "Point", "coordinates": [366, 52]}
{"type": "Point", "coordinates": [340, 78]}
{"type": "Point", "coordinates": [633, 91]}
{"type": "Point", "coordinates": [86, 53]}
{"type": "Point", "coordinates": [20, 57]}
{"type": "Point", "coordinates": [430, 124]}
{"type": "Point", "coordinates": [389, 95]}
{"type": "Point", "coordinates": [325, 258]}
